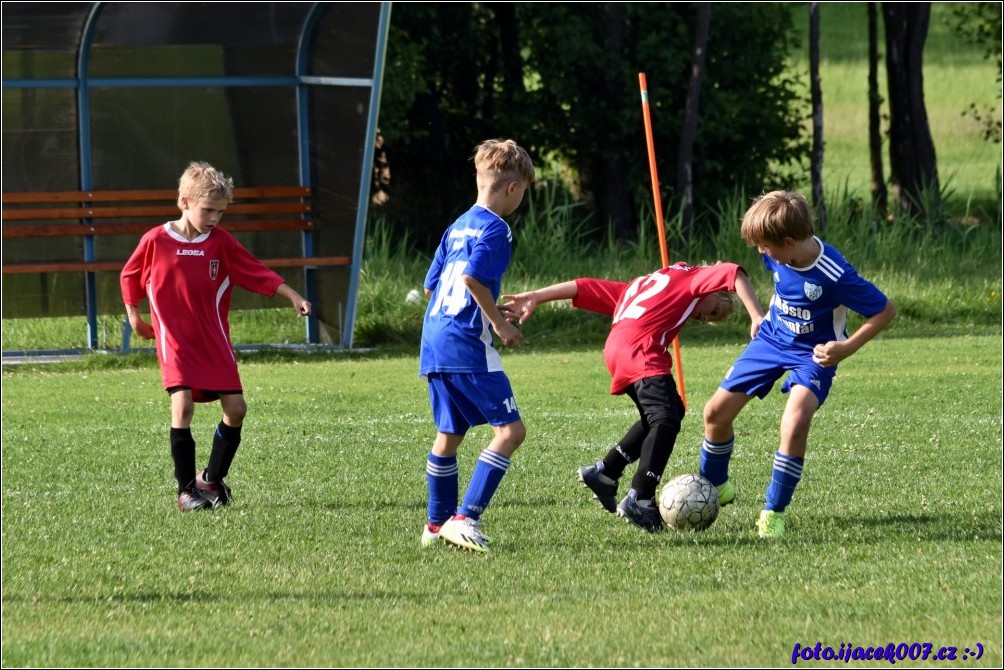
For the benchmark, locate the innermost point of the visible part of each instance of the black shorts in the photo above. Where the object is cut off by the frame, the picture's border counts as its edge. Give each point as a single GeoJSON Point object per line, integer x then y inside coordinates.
{"type": "Point", "coordinates": [202, 395]}
{"type": "Point", "coordinates": [657, 399]}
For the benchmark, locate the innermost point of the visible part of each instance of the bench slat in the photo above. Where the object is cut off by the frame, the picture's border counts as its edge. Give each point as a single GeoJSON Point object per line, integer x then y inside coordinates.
{"type": "Point", "coordinates": [116, 266]}
{"type": "Point", "coordinates": [163, 212]}
{"type": "Point", "coordinates": [159, 195]}
{"type": "Point", "coordinates": [101, 229]}
{"type": "Point", "coordinates": [291, 203]}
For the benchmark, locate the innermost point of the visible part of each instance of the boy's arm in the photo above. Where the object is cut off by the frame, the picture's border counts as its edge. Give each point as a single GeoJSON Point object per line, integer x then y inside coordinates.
{"type": "Point", "coordinates": [509, 333]}
{"type": "Point", "coordinates": [139, 326]}
{"type": "Point", "coordinates": [300, 304]}
{"type": "Point", "coordinates": [744, 289]}
{"type": "Point", "coordinates": [131, 285]}
{"type": "Point", "coordinates": [831, 353]}
{"type": "Point", "coordinates": [522, 305]}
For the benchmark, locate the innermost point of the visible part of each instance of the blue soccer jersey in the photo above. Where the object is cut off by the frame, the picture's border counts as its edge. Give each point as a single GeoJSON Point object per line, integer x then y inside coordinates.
{"type": "Point", "coordinates": [456, 335]}
{"type": "Point", "coordinates": [810, 304]}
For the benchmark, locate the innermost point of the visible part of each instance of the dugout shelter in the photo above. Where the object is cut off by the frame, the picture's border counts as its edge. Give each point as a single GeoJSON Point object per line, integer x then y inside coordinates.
{"type": "Point", "coordinates": [121, 96]}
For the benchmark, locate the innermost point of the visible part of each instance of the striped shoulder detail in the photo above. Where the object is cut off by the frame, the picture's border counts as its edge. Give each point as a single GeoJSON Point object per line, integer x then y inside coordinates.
{"type": "Point", "coordinates": [829, 267]}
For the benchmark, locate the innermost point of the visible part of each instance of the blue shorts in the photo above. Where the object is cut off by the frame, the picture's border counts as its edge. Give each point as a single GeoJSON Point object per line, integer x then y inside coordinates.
{"type": "Point", "coordinates": [464, 399]}
{"type": "Point", "coordinates": [762, 363]}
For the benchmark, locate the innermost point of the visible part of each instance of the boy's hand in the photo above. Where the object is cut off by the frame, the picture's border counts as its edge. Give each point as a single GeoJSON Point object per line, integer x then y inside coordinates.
{"type": "Point", "coordinates": [302, 307]}
{"type": "Point", "coordinates": [142, 328]}
{"type": "Point", "coordinates": [520, 306]}
{"type": "Point", "coordinates": [830, 353]}
{"type": "Point", "coordinates": [509, 334]}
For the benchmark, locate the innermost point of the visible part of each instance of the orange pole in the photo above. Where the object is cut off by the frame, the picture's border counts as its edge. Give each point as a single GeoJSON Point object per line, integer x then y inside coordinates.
{"type": "Point", "coordinates": [657, 199]}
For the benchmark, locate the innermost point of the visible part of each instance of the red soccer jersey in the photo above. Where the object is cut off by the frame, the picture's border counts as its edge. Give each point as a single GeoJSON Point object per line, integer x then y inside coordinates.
{"type": "Point", "coordinates": [188, 284]}
{"type": "Point", "coordinates": [647, 315]}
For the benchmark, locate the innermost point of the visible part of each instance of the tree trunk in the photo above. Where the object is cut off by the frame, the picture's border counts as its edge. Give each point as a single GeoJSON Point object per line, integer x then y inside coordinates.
{"type": "Point", "coordinates": [688, 131]}
{"type": "Point", "coordinates": [609, 186]}
{"type": "Point", "coordinates": [880, 196]}
{"type": "Point", "coordinates": [818, 196]}
{"type": "Point", "coordinates": [912, 162]}
{"type": "Point", "coordinates": [512, 62]}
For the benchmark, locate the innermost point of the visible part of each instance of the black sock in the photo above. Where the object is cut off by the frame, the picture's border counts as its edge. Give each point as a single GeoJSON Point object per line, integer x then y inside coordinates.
{"type": "Point", "coordinates": [225, 443]}
{"type": "Point", "coordinates": [626, 451]}
{"type": "Point", "coordinates": [655, 453]}
{"type": "Point", "coordinates": [183, 455]}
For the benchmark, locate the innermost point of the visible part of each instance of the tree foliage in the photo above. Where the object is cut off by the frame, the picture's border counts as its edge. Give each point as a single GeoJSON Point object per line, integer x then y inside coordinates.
{"type": "Point", "coordinates": [979, 23]}
{"type": "Point", "coordinates": [562, 79]}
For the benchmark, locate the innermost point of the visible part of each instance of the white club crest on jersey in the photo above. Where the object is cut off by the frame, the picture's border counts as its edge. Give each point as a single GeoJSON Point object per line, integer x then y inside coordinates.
{"type": "Point", "coordinates": [214, 268]}
{"type": "Point", "coordinates": [812, 291]}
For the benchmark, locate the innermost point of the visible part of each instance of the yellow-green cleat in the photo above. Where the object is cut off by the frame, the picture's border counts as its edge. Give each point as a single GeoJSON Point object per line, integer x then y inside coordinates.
{"type": "Point", "coordinates": [770, 525]}
{"type": "Point", "coordinates": [430, 535]}
{"type": "Point", "coordinates": [726, 493]}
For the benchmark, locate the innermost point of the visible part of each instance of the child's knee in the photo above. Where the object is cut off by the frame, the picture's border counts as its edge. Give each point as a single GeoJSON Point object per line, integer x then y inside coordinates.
{"type": "Point", "coordinates": [234, 409]}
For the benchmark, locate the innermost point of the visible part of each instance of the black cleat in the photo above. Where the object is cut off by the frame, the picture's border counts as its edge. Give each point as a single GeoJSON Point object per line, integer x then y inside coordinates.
{"type": "Point", "coordinates": [605, 493]}
{"type": "Point", "coordinates": [647, 518]}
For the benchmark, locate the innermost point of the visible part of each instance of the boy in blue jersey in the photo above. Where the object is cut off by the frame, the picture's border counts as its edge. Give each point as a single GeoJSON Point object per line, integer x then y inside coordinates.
{"type": "Point", "coordinates": [467, 386]}
{"type": "Point", "coordinates": [804, 335]}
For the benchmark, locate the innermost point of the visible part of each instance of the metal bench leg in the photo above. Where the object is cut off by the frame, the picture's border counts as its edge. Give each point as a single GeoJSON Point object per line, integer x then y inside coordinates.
{"type": "Point", "coordinates": [126, 335]}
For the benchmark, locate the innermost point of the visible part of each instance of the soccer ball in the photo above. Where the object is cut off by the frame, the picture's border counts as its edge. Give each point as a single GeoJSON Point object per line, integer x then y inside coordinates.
{"type": "Point", "coordinates": [689, 502]}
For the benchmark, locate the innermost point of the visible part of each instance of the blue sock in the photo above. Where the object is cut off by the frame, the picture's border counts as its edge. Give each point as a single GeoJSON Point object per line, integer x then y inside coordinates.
{"type": "Point", "coordinates": [715, 458]}
{"type": "Point", "coordinates": [488, 472]}
{"type": "Point", "coordinates": [441, 476]}
{"type": "Point", "coordinates": [783, 480]}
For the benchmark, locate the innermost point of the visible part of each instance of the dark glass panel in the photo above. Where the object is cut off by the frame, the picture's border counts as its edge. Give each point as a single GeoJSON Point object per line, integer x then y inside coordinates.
{"type": "Point", "coordinates": [345, 40]}
{"type": "Point", "coordinates": [159, 39]}
{"type": "Point", "coordinates": [40, 145]}
{"type": "Point", "coordinates": [338, 136]}
{"type": "Point", "coordinates": [40, 39]}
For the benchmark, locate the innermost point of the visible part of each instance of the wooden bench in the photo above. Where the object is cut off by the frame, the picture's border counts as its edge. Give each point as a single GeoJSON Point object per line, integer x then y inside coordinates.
{"type": "Point", "coordinates": [93, 214]}
{"type": "Point", "coordinates": [99, 213]}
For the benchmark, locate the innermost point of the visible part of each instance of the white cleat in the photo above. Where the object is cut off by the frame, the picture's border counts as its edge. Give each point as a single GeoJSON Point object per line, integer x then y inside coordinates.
{"type": "Point", "coordinates": [465, 533]}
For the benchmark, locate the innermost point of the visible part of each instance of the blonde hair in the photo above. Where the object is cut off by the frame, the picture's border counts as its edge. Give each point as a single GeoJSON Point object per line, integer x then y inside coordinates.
{"type": "Point", "coordinates": [201, 181]}
{"type": "Point", "coordinates": [502, 161]}
{"type": "Point", "coordinates": [730, 302]}
{"type": "Point", "coordinates": [775, 216]}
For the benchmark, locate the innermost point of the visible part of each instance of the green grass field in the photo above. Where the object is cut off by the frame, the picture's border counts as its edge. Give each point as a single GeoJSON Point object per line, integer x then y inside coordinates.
{"type": "Point", "coordinates": [894, 534]}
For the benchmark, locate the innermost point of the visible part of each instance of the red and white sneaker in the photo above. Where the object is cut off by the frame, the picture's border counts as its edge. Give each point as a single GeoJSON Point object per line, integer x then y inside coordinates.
{"type": "Point", "coordinates": [192, 499]}
{"type": "Point", "coordinates": [217, 493]}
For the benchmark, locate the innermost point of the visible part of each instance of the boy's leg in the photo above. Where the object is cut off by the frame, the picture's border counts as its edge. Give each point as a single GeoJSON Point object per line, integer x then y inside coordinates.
{"type": "Point", "coordinates": [226, 440]}
{"type": "Point", "coordinates": [491, 467]}
{"type": "Point", "coordinates": [754, 373]}
{"type": "Point", "coordinates": [441, 476]}
{"type": "Point", "coordinates": [788, 459]}
{"type": "Point", "coordinates": [625, 452]}
{"type": "Point", "coordinates": [601, 477]}
{"type": "Point", "coordinates": [473, 399]}
{"type": "Point", "coordinates": [183, 450]}
{"type": "Point", "coordinates": [719, 438]}
{"type": "Point", "coordinates": [662, 410]}
{"type": "Point", "coordinates": [228, 436]}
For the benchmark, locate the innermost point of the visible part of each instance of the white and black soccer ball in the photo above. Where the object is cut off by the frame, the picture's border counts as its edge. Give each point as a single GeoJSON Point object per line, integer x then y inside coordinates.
{"type": "Point", "coordinates": [689, 502]}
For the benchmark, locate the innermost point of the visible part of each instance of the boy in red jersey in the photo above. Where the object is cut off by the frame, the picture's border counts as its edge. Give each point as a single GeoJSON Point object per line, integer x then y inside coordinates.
{"type": "Point", "coordinates": [187, 270]}
{"type": "Point", "coordinates": [647, 314]}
